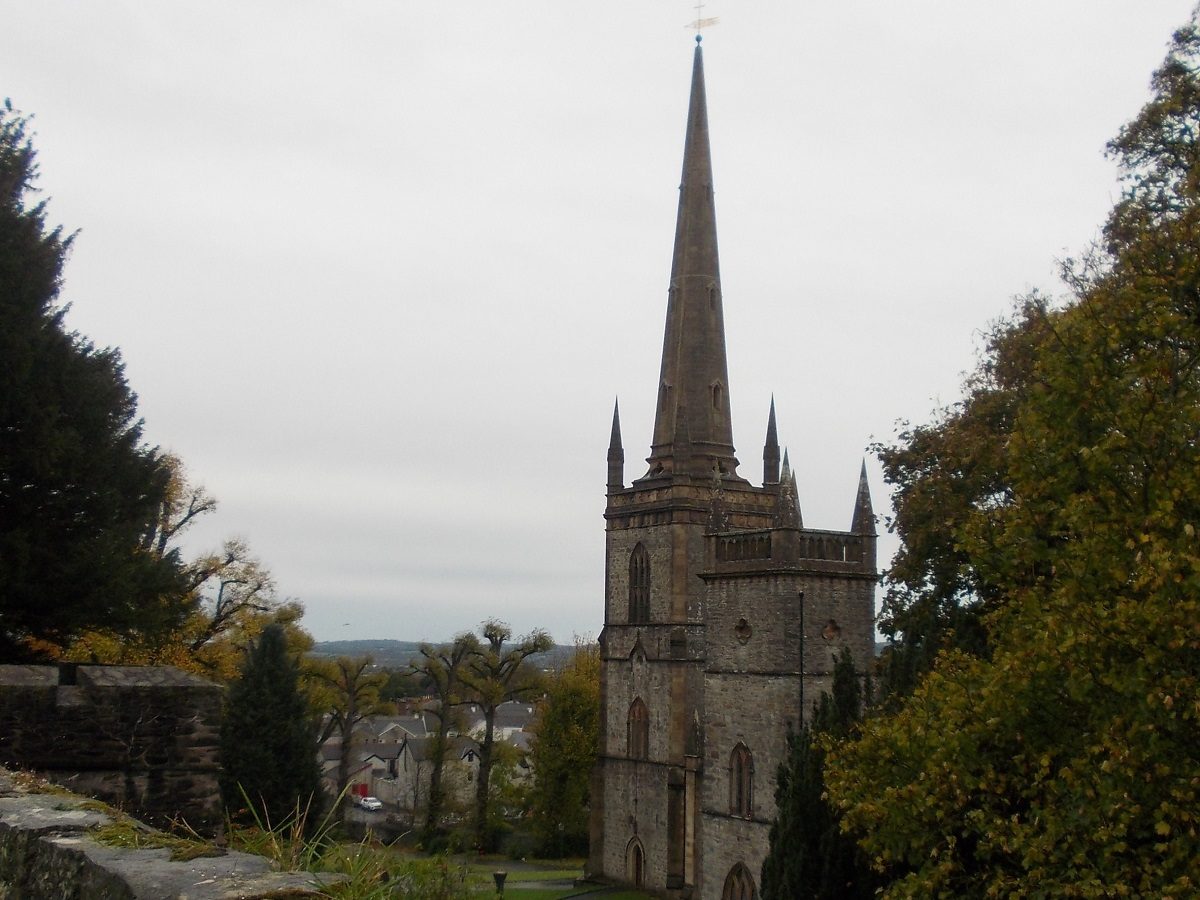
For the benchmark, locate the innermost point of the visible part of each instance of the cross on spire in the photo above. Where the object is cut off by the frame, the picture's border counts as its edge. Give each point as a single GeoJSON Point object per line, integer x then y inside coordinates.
{"type": "Point", "coordinates": [701, 22]}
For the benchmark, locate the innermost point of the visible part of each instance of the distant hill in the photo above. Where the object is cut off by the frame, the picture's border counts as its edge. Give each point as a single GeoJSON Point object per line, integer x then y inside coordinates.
{"type": "Point", "coordinates": [396, 654]}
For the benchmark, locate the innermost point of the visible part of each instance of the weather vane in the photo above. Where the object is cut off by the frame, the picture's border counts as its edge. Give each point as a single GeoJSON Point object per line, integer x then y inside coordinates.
{"type": "Point", "coordinates": [700, 22]}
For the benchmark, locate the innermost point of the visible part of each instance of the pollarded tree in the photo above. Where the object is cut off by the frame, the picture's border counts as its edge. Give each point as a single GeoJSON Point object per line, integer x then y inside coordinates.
{"type": "Point", "coordinates": [348, 691]}
{"type": "Point", "coordinates": [441, 666]}
{"type": "Point", "coordinates": [1065, 764]}
{"type": "Point", "coordinates": [496, 674]}
{"type": "Point", "coordinates": [267, 751]}
{"type": "Point", "coordinates": [78, 489]}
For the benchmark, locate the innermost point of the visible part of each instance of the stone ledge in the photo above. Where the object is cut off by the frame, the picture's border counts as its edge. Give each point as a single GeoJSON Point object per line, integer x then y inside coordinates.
{"type": "Point", "coordinates": [47, 851]}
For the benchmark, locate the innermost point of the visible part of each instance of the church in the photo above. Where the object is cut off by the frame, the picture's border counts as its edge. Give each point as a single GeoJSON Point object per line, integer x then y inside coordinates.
{"type": "Point", "coordinates": [723, 612]}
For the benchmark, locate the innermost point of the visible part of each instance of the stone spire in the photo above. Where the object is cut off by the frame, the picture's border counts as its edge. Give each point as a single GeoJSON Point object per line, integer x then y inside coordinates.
{"type": "Point", "coordinates": [693, 388]}
{"type": "Point", "coordinates": [616, 454]}
{"type": "Point", "coordinates": [787, 511]}
{"type": "Point", "coordinates": [771, 450]}
{"type": "Point", "coordinates": [863, 521]}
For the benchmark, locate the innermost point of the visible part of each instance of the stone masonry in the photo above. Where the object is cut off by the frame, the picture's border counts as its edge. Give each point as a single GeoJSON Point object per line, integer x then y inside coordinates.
{"type": "Point", "coordinates": [723, 613]}
{"type": "Point", "coordinates": [143, 738]}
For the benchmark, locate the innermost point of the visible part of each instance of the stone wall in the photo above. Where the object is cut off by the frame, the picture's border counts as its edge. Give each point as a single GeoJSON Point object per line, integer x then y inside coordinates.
{"type": "Point", "coordinates": [142, 738]}
{"type": "Point", "coordinates": [49, 851]}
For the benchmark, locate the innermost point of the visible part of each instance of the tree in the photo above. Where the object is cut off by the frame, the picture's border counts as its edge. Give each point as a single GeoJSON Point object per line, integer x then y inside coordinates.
{"type": "Point", "coordinates": [1066, 762]}
{"type": "Point", "coordinates": [808, 856]}
{"type": "Point", "coordinates": [496, 674]}
{"type": "Point", "coordinates": [442, 666]}
{"type": "Point", "coordinates": [349, 692]}
{"type": "Point", "coordinates": [267, 750]}
{"type": "Point", "coordinates": [566, 740]}
{"type": "Point", "coordinates": [946, 477]}
{"type": "Point", "coordinates": [229, 596]}
{"type": "Point", "coordinates": [78, 488]}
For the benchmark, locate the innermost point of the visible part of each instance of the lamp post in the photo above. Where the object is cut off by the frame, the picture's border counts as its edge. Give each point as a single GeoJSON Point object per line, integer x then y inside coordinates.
{"type": "Point", "coordinates": [500, 876]}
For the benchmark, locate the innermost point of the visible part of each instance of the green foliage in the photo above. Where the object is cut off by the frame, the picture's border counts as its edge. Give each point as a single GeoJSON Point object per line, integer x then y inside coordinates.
{"type": "Point", "coordinates": [566, 740]}
{"type": "Point", "coordinates": [808, 856]}
{"type": "Point", "coordinates": [79, 491]}
{"type": "Point", "coordinates": [1065, 763]}
{"type": "Point", "coordinates": [268, 759]}
{"type": "Point", "coordinates": [948, 477]}
{"type": "Point", "coordinates": [361, 871]}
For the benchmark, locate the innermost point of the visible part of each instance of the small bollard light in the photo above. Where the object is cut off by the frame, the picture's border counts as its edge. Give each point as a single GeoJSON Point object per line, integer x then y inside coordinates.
{"type": "Point", "coordinates": [500, 876]}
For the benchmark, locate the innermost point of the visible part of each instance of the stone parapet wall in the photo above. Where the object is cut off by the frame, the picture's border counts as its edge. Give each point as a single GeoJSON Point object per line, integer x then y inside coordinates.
{"type": "Point", "coordinates": [143, 738]}
{"type": "Point", "coordinates": [49, 851]}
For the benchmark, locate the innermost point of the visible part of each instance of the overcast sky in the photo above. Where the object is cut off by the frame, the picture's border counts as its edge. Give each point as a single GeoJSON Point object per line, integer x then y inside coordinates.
{"type": "Point", "coordinates": [378, 270]}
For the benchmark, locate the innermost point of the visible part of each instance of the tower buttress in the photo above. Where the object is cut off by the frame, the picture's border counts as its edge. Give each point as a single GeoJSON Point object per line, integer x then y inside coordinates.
{"type": "Point", "coordinates": [771, 450]}
{"type": "Point", "coordinates": [616, 453]}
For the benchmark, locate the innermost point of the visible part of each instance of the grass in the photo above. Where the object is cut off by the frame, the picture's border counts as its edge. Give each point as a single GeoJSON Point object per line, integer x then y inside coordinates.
{"type": "Point", "coordinates": [125, 832]}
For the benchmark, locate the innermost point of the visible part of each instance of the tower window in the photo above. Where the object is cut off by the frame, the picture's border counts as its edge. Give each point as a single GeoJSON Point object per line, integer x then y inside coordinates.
{"type": "Point", "coordinates": [741, 782]}
{"type": "Point", "coordinates": [638, 726]}
{"type": "Point", "coordinates": [639, 586]}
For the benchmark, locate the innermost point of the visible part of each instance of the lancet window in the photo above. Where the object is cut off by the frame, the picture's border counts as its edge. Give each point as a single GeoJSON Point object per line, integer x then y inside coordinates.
{"type": "Point", "coordinates": [639, 586]}
{"type": "Point", "coordinates": [638, 727]}
{"type": "Point", "coordinates": [741, 782]}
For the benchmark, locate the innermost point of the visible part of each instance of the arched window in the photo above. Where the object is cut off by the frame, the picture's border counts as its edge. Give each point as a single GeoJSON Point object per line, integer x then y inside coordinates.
{"type": "Point", "coordinates": [741, 782]}
{"type": "Point", "coordinates": [739, 884]}
{"type": "Point", "coordinates": [639, 586]}
{"type": "Point", "coordinates": [639, 730]}
{"type": "Point", "coordinates": [635, 863]}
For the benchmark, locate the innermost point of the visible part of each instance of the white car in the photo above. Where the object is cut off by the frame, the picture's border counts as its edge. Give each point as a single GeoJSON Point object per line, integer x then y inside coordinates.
{"type": "Point", "coordinates": [371, 803]}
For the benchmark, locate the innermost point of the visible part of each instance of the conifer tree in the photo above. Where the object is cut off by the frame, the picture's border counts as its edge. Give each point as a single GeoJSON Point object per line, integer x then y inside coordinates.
{"type": "Point", "coordinates": [809, 857]}
{"type": "Point", "coordinates": [79, 491]}
{"type": "Point", "coordinates": [268, 751]}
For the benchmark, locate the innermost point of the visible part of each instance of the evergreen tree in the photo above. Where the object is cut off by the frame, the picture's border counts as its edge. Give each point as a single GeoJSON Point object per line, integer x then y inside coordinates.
{"type": "Point", "coordinates": [268, 750]}
{"type": "Point", "coordinates": [809, 857]}
{"type": "Point", "coordinates": [79, 492]}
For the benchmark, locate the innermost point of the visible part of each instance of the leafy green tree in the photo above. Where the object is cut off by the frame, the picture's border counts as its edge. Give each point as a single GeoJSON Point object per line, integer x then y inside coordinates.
{"type": "Point", "coordinates": [442, 667]}
{"type": "Point", "coordinates": [809, 856]}
{"type": "Point", "coordinates": [1065, 762]}
{"type": "Point", "coordinates": [566, 740]}
{"type": "Point", "coordinates": [946, 477]}
{"type": "Point", "coordinates": [267, 749]}
{"type": "Point", "coordinates": [79, 491]}
{"type": "Point", "coordinates": [496, 674]}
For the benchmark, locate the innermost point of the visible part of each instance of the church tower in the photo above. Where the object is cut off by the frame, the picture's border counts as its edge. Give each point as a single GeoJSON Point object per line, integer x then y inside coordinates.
{"type": "Point", "coordinates": [722, 612]}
